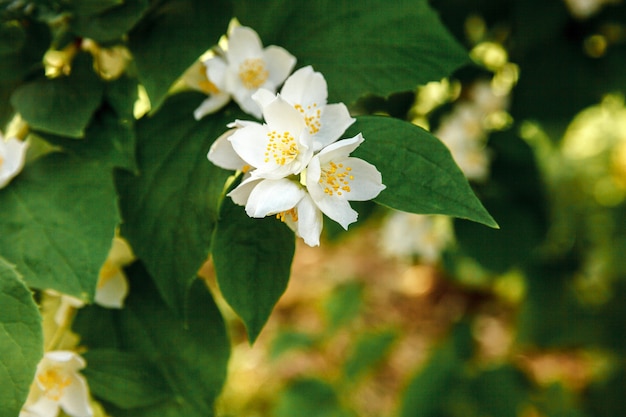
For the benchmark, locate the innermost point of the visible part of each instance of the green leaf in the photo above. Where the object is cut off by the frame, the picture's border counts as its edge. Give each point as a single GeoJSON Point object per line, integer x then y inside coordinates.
{"type": "Point", "coordinates": [427, 391]}
{"type": "Point", "coordinates": [111, 23]}
{"type": "Point", "coordinates": [289, 340]}
{"type": "Point", "coordinates": [21, 340]}
{"type": "Point", "coordinates": [418, 170]}
{"type": "Point", "coordinates": [128, 380]}
{"type": "Point", "coordinates": [107, 139]}
{"type": "Point", "coordinates": [89, 7]}
{"type": "Point", "coordinates": [311, 398]}
{"type": "Point", "coordinates": [64, 105]}
{"type": "Point", "coordinates": [170, 210]}
{"type": "Point", "coordinates": [192, 354]}
{"type": "Point", "coordinates": [343, 305]}
{"type": "Point", "coordinates": [252, 260]}
{"type": "Point", "coordinates": [360, 47]}
{"type": "Point", "coordinates": [23, 52]}
{"type": "Point", "coordinates": [171, 37]}
{"type": "Point", "coordinates": [59, 218]}
{"type": "Point", "coordinates": [369, 350]}
{"type": "Point", "coordinates": [502, 391]}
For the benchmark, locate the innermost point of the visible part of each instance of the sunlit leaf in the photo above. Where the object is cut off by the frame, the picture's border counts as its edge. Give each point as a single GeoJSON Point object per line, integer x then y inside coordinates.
{"type": "Point", "coordinates": [21, 340]}
{"type": "Point", "coordinates": [58, 223]}
{"type": "Point", "coordinates": [418, 170]}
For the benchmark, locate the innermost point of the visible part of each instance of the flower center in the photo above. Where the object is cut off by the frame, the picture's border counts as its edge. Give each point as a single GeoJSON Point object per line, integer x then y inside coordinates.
{"type": "Point", "coordinates": [311, 116]}
{"type": "Point", "coordinates": [292, 213]}
{"type": "Point", "coordinates": [253, 73]}
{"type": "Point", "coordinates": [335, 179]}
{"type": "Point", "coordinates": [1, 161]}
{"type": "Point", "coordinates": [281, 147]}
{"type": "Point", "coordinates": [53, 383]}
{"type": "Point", "coordinates": [205, 85]}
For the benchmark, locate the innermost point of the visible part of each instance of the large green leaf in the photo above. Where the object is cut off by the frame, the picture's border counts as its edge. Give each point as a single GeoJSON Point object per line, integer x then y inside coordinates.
{"type": "Point", "coordinates": [108, 24]}
{"type": "Point", "coordinates": [58, 221]}
{"type": "Point", "coordinates": [171, 37]}
{"type": "Point", "coordinates": [63, 105]}
{"type": "Point", "coordinates": [192, 354]}
{"type": "Point", "coordinates": [22, 48]}
{"type": "Point", "coordinates": [21, 340]}
{"type": "Point", "coordinates": [418, 170]}
{"type": "Point", "coordinates": [252, 260]}
{"type": "Point", "coordinates": [360, 47]}
{"type": "Point", "coordinates": [128, 380]}
{"type": "Point", "coordinates": [170, 209]}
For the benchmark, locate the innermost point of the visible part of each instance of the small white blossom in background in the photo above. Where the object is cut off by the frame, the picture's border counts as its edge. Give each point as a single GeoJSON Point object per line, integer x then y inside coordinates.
{"type": "Point", "coordinates": [12, 157]}
{"type": "Point", "coordinates": [296, 167]}
{"type": "Point", "coordinates": [241, 70]}
{"type": "Point", "coordinates": [583, 9]}
{"type": "Point", "coordinates": [408, 235]}
{"type": "Point", "coordinates": [464, 130]}
{"type": "Point", "coordinates": [59, 386]}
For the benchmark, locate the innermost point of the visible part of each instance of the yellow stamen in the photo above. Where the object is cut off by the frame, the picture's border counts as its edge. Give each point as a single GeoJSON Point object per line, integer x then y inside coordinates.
{"type": "Point", "coordinates": [293, 213]}
{"type": "Point", "coordinates": [336, 179]}
{"type": "Point", "coordinates": [53, 383]}
{"type": "Point", "coordinates": [312, 119]}
{"type": "Point", "coordinates": [253, 73]}
{"type": "Point", "coordinates": [281, 147]}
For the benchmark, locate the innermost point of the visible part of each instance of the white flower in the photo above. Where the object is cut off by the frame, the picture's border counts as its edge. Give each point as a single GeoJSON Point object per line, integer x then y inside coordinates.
{"type": "Point", "coordinates": [307, 91]}
{"type": "Point", "coordinates": [112, 286]}
{"type": "Point", "coordinates": [12, 156]}
{"type": "Point", "coordinates": [406, 234]}
{"type": "Point", "coordinates": [285, 198]}
{"type": "Point", "coordinates": [333, 178]}
{"type": "Point", "coordinates": [281, 147]}
{"type": "Point", "coordinates": [245, 66]}
{"type": "Point", "coordinates": [196, 78]}
{"type": "Point", "coordinates": [59, 385]}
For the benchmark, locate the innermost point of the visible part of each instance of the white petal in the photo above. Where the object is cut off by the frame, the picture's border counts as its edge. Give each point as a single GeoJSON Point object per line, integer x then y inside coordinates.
{"type": "Point", "coordinates": [216, 70]}
{"type": "Point", "coordinates": [243, 43]}
{"type": "Point", "coordinates": [263, 97]}
{"type": "Point", "coordinates": [338, 210]}
{"type": "Point", "coordinates": [12, 157]}
{"type": "Point", "coordinates": [334, 121]}
{"type": "Point", "coordinates": [241, 194]}
{"type": "Point", "coordinates": [250, 143]}
{"type": "Point", "coordinates": [279, 63]}
{"type": "Point", "coordinates": [367, 181]}
{"type": "Point", "coordinates": [44, 407]}
{"type": "Point", "coordinates": [223, 154]}
{"type": "Point", "coordinates": [305, 87]}
{"type": "Point", "coordinates": [112, 292]}
{"type": "Point", "coordinates": [282, 117]}
{"type": "Point", "coordinates": [273, 196]}
{"type": "Point", "coordinates": [70, 360]}
{"type": "Point", "coordinates": [211, 104]}
{"type": "Point", "coordinates": [340, 149]}
{"type": "Point", "coordinates": [243, 98]}
{"type": "Point", "coordinates": [75, 400]}
{"type": "Point", "coordinates": [121, 253]}
{"type": "Point", "coordinates": [310, 221]}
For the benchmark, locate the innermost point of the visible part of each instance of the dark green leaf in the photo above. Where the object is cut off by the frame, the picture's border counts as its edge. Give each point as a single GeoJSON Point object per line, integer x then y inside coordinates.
{"type": "Point", "coordinates": [369, 351]}
{"type": "Point", "coordinates": [107, 139]}
{"type": "Point", "coordinates": [23, 55]}
{"type": "Point", "coordinates": [360, 47]}
{"type": "Point", "coordinates": [344, 304]}
{"type": "Point", "coordinates": [58, 223]}
{"type": "Point", "coordinates": [252, 260]}
{"type": "Point", "coordinates": [109, 24]}
{"type": "Point", "coordinates": [64, 105]}
{"type": "Point", "coordinates": [88, 7]}
{"type": "Point", "coordinates": [311, 398]}
{"type": "Point", "coordinates": [171, 37]}
{"type": "Point", "coordinates": [21, 340]}
{"type": "Point", "coordinates": [170, 209]}
{"type": "Point", "coordinates": [12, 37]}
{"type": "Point", "coordinates": [501, 392]}
{"type": "Point", "coordinates": [127, 380]}
{"type": "Point", "coordinates": [192, 354]}
{"type": "Point", "coordinates": [418, 170]}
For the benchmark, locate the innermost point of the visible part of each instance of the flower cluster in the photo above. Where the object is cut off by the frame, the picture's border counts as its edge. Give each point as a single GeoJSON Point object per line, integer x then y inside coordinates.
{"type": "Point", "coordinates": [295, 165]}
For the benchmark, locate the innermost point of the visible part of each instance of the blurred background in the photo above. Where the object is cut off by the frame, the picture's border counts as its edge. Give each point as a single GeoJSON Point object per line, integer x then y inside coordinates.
{"type": "Point", "coordinates": [410, 315]}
